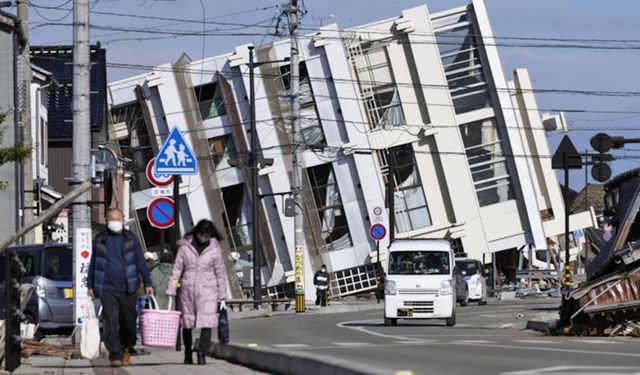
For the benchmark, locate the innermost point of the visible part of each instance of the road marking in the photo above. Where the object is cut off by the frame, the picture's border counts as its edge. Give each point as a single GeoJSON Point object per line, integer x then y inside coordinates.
{"type": "Point", "coordinates": [348, 325]}
{"type": "Point", "coordinates": [351, 343]}
{"type": "Point", "coordinates": [534, 341]}
{"type": "Point", "coordinates": [416, 342]}
{"type": "Point", "coordinates": [554, 349]}
{"type": "Point", "coordinates": [596, 341]}
{"type": "Point", "coordinates": [574, 369]}
{"type": "Point", "coordinates": [291, 346]}
{"type": "Point", "coordinates": [472, 342]}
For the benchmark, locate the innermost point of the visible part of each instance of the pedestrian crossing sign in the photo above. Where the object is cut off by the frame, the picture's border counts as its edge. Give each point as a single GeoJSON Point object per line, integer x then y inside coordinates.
{"type": "Point", "coordinates": [175, 156]}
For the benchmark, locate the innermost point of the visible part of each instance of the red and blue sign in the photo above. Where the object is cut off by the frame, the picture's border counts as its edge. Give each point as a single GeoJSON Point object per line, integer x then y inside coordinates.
{"type": "Point", "coordinates": [159, 180]}
{"type": "Point", "coordinates": [378, 231]}
{"type": "Point", "coordinates": [160, 212]}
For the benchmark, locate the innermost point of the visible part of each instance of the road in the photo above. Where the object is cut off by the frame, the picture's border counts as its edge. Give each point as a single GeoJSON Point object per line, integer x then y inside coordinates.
{"type": "Point", "coordinates": [486, 340]}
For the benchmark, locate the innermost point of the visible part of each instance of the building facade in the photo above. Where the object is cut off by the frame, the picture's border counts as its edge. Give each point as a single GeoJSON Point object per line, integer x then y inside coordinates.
{"type": "Point", "coordinates": [423, 91]}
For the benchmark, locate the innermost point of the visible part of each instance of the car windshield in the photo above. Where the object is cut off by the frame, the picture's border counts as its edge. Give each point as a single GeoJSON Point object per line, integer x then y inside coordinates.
{"type": "Point", "coordinates": [469, 267]}
{"type": "Point", "coordinates": [58, 264]}
{"type": "Point", "coordinates": [419, 263]}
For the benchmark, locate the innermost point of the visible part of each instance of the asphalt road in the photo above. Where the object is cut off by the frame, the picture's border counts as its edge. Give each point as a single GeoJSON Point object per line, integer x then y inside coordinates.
{"type": "Point", "coordinates": [486, 340]}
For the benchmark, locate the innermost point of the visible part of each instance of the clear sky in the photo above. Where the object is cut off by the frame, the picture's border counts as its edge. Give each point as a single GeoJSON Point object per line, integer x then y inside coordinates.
{"type": "Point", "coordinates": [592, 70]}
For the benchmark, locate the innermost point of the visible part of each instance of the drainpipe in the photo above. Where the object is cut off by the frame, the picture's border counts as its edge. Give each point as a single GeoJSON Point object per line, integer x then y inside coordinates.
{"type": "Point", "coordinates": [16, 132]}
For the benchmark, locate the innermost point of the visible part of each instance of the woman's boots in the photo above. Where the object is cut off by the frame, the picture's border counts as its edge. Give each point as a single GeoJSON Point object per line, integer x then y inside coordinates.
{"type": "Point", "coordinates": [188, 357]}
{"type": "Point", "coordinates": [201, 358]}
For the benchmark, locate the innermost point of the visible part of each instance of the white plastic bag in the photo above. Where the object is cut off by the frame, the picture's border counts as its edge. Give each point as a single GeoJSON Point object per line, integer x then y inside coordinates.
{"type": "Point", "coordinates": [90, 334]}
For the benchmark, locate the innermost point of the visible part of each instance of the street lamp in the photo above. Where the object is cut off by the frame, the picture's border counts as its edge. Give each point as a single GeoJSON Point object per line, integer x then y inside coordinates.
{"type": "Point", "coordinates": [256, 164]}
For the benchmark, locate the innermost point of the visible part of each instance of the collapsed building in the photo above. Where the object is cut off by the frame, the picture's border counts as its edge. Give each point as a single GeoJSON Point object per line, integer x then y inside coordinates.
{"type": "Point", "coordinates": [471, 154]}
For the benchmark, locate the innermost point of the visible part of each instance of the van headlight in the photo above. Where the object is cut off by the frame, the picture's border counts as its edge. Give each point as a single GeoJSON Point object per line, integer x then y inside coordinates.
{"type": "Point", "coordinates": [445, 287]}
{"type": "Point", "coordinates": [390, 288]}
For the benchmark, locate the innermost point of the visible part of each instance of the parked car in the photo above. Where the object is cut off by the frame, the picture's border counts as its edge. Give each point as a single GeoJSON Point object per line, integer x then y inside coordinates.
{"type": "Point", "coordinates": [473, 273]}
{"type": "Point", "coordinates": [50, 268]}
{"type": "Point", "coordinates": [462, 289]}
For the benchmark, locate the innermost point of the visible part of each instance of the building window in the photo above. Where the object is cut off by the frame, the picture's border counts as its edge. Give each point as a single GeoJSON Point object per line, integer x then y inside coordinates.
{"type": "Point", "coordinates": [487, 162]}
{"type": "Point", "coordinates": [411, 209]}
{"type": "Point", "coordinates": [377, 85]}
{"type": "Point", "coordinates": [222, 150]}
{"type": "Point", "coordinates": [463, 69]}
{"type": "Point", "coordinates": [210, 101]}
{"type": "Point", "coordinates": [310, 124]}
{"type": "Point", "coordinates": [335, 229]}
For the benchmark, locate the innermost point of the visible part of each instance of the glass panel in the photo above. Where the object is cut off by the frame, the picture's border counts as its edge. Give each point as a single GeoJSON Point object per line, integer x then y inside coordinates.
{"type": "Point", "coordinates": [472, 102]}
{"type": "Point", "coordinates": [419, 262]}
{"type": "Point", "coordinates": [210, 102]}
{"type": "Point", "coordinates": [58, 264]}
{"type": "Point", "coordinates": [222, 150]}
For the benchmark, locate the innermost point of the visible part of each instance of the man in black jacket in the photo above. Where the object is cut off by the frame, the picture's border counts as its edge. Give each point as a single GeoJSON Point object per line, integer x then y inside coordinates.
{"type": "Point", "coordinates": [321, 281]}
{"type": "Point", "coordinates": [116, 265]}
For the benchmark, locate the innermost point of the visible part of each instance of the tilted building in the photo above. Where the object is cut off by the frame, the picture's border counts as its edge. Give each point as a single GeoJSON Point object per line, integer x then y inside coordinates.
{"type": "Point", "coordinates": [428, 90]}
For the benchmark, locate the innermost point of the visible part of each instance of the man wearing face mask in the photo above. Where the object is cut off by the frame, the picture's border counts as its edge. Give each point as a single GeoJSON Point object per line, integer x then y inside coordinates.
{"type": "Point", "coordinates": [321, 281]}
{"type": "Point", "coordinates": [116, 265]}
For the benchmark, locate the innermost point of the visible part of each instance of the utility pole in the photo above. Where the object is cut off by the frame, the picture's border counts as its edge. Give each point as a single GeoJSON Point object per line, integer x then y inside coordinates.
{"type": "Point", "coordinates": [81, 150]}
{"type": "Point", "coordinates": [27, 193]}
{"type": "Point", "coordinates": [255, 197]}
{"type": "Point", "coordinates": [297, 166]}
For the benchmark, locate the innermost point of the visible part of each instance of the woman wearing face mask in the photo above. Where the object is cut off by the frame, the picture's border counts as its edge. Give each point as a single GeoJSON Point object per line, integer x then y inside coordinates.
{"type": "Point", "coordinates": [199, 267]}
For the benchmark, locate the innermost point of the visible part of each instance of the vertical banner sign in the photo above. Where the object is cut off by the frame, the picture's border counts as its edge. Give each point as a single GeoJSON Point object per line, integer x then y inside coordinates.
{"type": "Point", "coordinates": [299, 267]}
{"type": "Point", "coordinates": [82, 238]}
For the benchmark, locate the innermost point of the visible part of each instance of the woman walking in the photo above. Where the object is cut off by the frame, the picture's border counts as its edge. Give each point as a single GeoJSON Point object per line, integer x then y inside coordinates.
{"type": "Point", "coordinates": [199, 267]}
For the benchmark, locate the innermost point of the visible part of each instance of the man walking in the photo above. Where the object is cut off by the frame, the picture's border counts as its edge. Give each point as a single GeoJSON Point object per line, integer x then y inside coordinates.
{"type": "Point", "coordinates": [114, 276]}
{"type": "Point", "coordinates": [321, 281]}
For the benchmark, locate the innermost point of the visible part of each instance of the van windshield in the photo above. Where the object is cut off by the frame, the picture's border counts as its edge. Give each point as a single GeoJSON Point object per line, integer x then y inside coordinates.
{"type": "Point", "coordinates": [419, 263]}
{"type": "Point", "coordinates": [58, 264]}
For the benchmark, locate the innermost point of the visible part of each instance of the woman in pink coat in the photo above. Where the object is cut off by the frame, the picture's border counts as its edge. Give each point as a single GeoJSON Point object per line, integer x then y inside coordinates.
{"type": "Point", "coordinates": [199, 267]}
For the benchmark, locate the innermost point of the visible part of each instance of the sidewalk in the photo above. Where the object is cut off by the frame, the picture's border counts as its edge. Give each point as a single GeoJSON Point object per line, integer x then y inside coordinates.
{"type": "Point", "coordinates": [159, 361]}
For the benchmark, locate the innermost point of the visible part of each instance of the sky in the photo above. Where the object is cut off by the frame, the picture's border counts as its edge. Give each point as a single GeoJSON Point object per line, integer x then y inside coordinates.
{"type": "Point", "coordinates": [592, 70]}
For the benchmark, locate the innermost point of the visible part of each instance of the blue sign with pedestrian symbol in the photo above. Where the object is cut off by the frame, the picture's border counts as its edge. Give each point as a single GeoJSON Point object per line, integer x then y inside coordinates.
{"type": "Point", "coordinates": [175, 156]}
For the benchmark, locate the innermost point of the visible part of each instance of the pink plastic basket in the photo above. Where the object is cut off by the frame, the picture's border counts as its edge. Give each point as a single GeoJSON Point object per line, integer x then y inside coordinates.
{"type": "Point", "coordinates": [159, 327]}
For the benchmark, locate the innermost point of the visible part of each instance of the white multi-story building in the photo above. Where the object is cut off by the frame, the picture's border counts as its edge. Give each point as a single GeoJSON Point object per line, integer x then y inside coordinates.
{"type": "Point", "coordinates": [428, 90]}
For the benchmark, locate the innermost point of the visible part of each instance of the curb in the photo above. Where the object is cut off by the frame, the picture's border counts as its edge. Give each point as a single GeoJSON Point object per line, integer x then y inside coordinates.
{"type": "Point", "coordinates": [544, 326]}
{"type": "Point", "coordinates": [277, 362]}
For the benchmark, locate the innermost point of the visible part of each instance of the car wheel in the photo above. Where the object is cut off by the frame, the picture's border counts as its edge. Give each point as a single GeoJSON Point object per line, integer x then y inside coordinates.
{"type": "Point", "coordinates": [38, 335]}
{"type": "Point", "coordinates": [483, 300]}
{"type": "Point", "coordinates": [451, 321]}
{"type": "Point", "coordinates": [465, 300]}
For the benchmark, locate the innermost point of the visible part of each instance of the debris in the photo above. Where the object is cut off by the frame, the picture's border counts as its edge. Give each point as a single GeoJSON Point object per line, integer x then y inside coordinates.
{"type": "Point", "coordinates": [33, 347]}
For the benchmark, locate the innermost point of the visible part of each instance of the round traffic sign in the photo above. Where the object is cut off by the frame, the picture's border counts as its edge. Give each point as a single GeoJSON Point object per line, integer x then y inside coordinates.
{"type": "Point", "coordinates": [158, 180]}
{"type": "Point", "coordinates": [377, 231]}
{"type": "Point", "coordinates": [160, 212]}
{"type": "Point", "coordinates": [377, 211]}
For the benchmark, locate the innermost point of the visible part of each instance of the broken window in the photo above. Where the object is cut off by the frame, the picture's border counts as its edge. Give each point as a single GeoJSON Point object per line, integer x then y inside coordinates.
{"type": "Point", "coordinates": [411, 209]}
{"type": "Point", "coordinates": [222, 150]}
{"type": "Point", "coordinates": [487, 162]}
{"type": "Point", "coordinates": [463, 68]}
{"type": "Point", "coordinates": [310, 125]}
{"type": "Point", "coordinates": [335, 229]}
{"type": "Point", "coordinates": [210, 101]}
{"type": "Point", "coordinates": [377, 85]}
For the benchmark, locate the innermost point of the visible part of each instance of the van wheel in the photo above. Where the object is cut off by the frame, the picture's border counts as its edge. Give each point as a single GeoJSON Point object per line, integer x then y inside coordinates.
{"type": "Point", "coordinates": [390, 322]}
{"type": "Point", "coordinates": [451, 321]}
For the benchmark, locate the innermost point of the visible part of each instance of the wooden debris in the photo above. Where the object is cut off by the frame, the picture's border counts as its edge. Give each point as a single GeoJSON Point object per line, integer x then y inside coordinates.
{"type": "Point", "coordinates": [33, 347]}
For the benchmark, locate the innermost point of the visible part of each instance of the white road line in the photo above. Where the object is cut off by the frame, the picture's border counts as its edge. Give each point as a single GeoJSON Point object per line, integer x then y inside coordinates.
{"type": "Point", "coordinates": [416, 342]}
{"type": "Point", "coordinates": [596, 341]}
{"type": "Point", "coordinates": [348, 325]}
{"type": "Point", "coordinates": [554, 349]}
{"type": "Point", "coordinates": [575, 369]}
{"type": "Point", "coordinates": [472, 342]}
{"type": "Point", "coordinates": [291, 346]}
{"type": "Point", "coordinates": [350, 343]}
{"type": "Point", "coordinates": [535, 341]}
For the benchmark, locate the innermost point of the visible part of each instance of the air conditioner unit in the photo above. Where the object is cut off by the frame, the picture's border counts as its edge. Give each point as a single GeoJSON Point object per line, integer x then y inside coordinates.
{"type": "Point", "coordinates": [118, 131]}
{"type": "Point", "coordinates": [554, 121]}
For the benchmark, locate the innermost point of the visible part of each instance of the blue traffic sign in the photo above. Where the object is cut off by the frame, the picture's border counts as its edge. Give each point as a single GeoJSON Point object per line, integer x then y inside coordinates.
{"type": "Point", "coordinates": [378, 231]}
{"type": "Point", "coordinates": [175, 156]}
{"type": "Point", "coordinates": [160, 212]}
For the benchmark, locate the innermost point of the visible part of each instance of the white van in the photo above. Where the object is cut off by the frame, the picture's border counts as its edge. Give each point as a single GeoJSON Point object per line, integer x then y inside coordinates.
{"type": "Point", "coordinates": [420, 281]}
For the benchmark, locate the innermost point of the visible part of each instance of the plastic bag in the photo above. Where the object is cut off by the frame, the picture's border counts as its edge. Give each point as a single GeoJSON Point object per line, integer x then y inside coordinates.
{"type": "Point", "coordinates": [90, 334]}
{"type": "Point", "coordinates": [223, 324]}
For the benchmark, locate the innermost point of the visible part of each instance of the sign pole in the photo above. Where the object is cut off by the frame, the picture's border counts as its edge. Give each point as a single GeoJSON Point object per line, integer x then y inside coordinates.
{"type": "Point", "coordinates": [176, 231]}
{"type": "Point", "coordinates": [378, 270]}
{"type": "Point", "coordinates": [567, 266]}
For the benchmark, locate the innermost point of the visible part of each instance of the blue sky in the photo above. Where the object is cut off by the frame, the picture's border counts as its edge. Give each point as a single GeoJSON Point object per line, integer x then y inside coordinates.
{"type": "Point", "coordinates": [551, 68]}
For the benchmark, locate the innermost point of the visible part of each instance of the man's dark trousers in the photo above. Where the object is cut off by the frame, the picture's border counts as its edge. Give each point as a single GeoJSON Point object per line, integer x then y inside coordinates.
{"type": "Point", "coordinates": [119, 314]}
{"type": "Point", "coordinates": [321, 297]}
